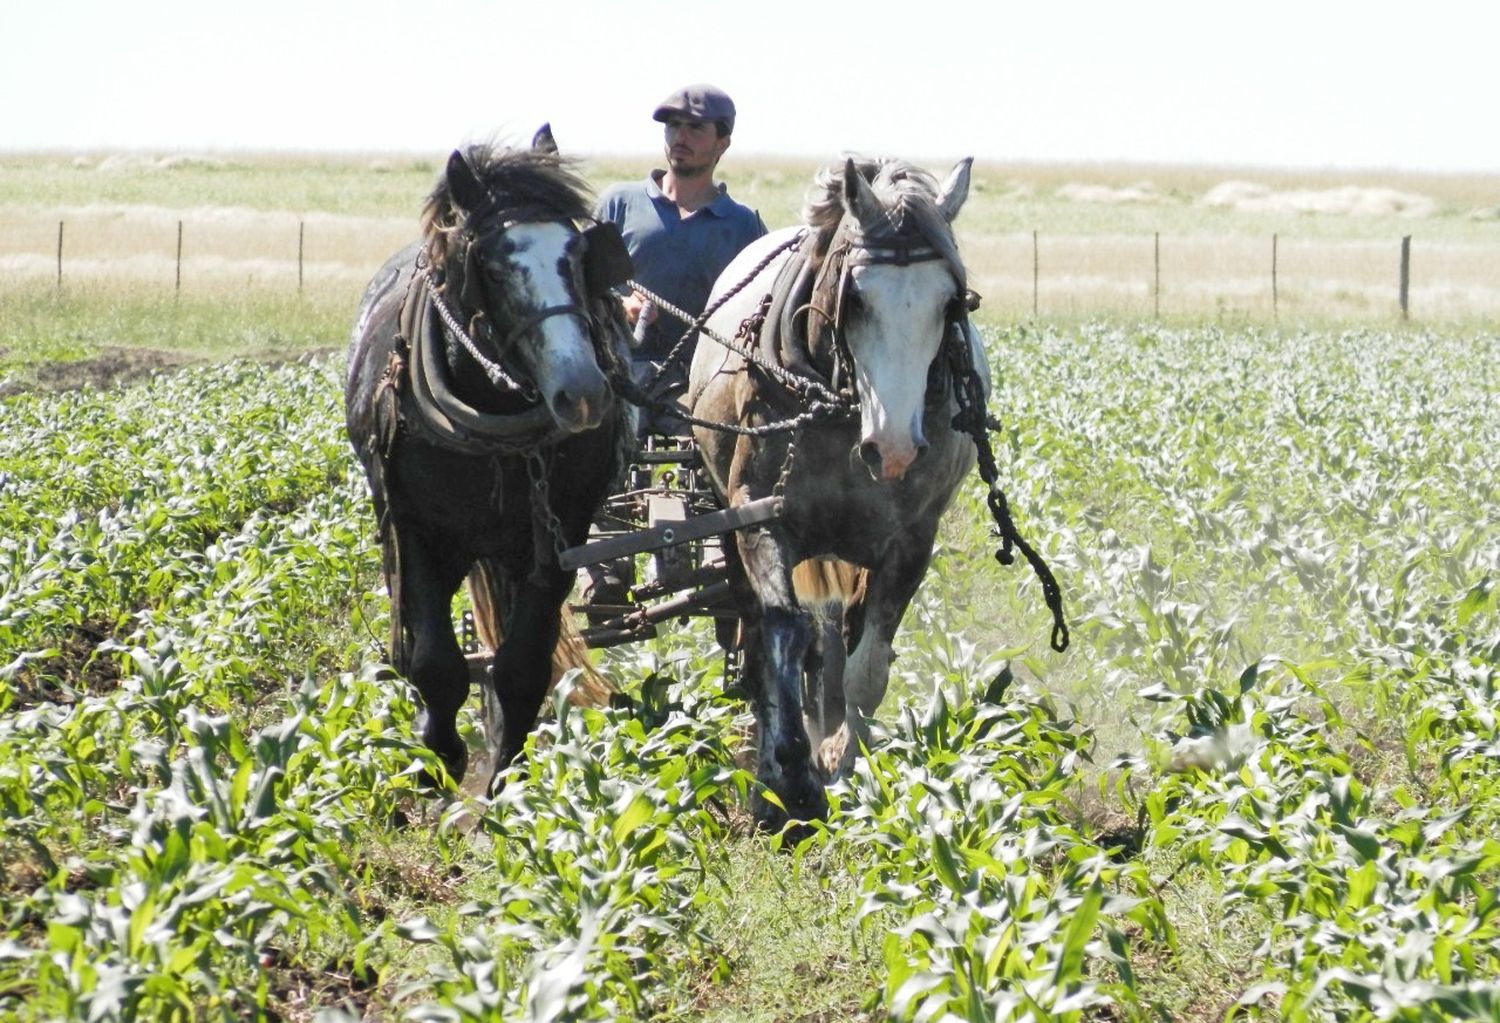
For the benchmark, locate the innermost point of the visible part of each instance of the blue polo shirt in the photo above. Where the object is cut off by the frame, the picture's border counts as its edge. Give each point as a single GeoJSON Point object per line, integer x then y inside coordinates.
{"type": "Point", "coordinates": [677, 257]}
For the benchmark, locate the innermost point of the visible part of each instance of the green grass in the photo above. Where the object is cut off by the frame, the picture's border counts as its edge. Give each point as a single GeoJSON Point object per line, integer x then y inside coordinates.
{"type": "Point", "coordinates": [358, 186]}
{"type": "Point", "coordinates": [1007, 197]}
{"type": "Point", "coordinates": [804, 965]}
{"type": "Point", "coordinates": [72, 338]}
{"type": "Point", "coordinates": [47, 328]}
{"type": "Point", "coordinates": [242, 214]}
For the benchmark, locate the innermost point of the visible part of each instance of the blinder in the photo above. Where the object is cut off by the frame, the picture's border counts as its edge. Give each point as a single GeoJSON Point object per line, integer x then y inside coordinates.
{"type": "Point", "coordinates": [606, 261]}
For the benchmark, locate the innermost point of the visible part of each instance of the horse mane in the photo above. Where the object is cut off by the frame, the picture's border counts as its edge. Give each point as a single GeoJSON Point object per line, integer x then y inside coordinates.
{"type": "Point", "coordinates": [531, 178]}
{"type": "Point", "coordinates": [907, 193]}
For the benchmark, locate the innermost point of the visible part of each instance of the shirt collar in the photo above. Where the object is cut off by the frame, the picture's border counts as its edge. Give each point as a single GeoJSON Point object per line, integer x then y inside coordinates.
{"type": "Point", "coordinates": [720, 206]}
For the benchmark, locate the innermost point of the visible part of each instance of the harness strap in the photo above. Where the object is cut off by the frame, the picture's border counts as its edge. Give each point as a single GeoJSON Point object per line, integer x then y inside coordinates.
{"type": "Point", "coordinates": [546, 312]}
{"type": "Point", "coordinates": [443, 417]}
{"type": "Point", "coordinates": [789, 293]}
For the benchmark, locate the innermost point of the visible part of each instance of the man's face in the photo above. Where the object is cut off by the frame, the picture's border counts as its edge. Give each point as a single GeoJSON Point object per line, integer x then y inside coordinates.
{"type": "Point", "coordinates": [693, 147]}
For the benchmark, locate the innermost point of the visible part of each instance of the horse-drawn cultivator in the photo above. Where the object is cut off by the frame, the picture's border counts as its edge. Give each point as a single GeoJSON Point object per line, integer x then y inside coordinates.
{"type": "Point", "coordinates": [667, 510]}
{"type": "Point", "coordinates": [836, 402]}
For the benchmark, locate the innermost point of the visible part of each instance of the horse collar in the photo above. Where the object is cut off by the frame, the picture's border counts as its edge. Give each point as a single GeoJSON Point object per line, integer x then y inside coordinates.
{"type": "Point", "coordinates": [439, 415]}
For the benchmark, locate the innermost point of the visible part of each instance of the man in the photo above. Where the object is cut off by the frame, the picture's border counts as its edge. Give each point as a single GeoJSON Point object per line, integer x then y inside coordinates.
{"type": "Point", "coordinates": [680, 225]}
{"type": "Point", "coordinates": [682, 229]}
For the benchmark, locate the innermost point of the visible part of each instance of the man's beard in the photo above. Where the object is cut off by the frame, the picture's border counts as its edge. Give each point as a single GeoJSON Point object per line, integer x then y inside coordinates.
{"type": "Point", "coordinates": [683, 169]}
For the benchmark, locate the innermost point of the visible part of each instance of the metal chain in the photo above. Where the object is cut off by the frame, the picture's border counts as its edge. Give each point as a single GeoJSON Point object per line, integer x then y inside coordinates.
{"type": "Point", "coordinates": [779, 489]}
{"type": "Point", "coordinates": [803, 386]}
{"type": "Point", "coordinates": [818, 401]}
{"type": "Point", "coordinates": [974, 420]}
{"type": "Point", "coordinates": [814, 408]}
{"type": "Point", "coordinates": [815, 411]}
{"type": "Point", "coordinates": [696, 324]}
{"type": "Point", "coordinates": [546, 531]}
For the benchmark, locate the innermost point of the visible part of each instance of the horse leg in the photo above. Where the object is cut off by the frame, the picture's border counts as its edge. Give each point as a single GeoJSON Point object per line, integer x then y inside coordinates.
{"type": "Point", "coordinates": [436, 665]}
{"type": "Point", "coordinates": [777, 634]}
{"type": "Point", "coordinates": [873, 625]}
{"type": "Point", "coordinates": [823, 670]}
{"type": "Point", "coordinates": [522, 672]}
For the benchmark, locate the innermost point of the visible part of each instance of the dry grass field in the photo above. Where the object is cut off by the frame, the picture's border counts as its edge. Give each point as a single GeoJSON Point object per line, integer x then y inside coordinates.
{"type": "Point", "coordinates": [1068, 242]}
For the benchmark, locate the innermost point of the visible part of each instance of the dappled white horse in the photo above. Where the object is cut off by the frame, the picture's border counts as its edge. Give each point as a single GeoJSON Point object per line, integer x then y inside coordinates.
{"type": "Point", "coordinates": [867, 305]}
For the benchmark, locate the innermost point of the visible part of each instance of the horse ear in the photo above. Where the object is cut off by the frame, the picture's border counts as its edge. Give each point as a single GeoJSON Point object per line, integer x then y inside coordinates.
{"type": "Point", "coordinates": [859, 197]}
{"type": "Point", "coordinates": [543, 140]}
{"type": "Point", "coordinates": [464, 186]}
{"type": "Point", "coordinates": [955, 190]}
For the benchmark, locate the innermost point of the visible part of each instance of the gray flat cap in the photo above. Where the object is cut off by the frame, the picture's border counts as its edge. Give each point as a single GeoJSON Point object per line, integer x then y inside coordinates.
{"type": "Point", "coordinates": [702, 102]}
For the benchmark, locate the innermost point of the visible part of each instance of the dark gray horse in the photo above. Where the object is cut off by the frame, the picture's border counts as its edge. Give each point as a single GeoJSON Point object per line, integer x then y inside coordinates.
{"type": "Point", "coordinates": [872, 296]}
{"type": "Point", "coordinates": [479, 404]}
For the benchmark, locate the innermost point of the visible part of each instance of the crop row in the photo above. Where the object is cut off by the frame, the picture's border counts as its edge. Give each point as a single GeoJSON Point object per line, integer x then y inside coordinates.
{"type": "Point", "coordinates": [1281, 711]}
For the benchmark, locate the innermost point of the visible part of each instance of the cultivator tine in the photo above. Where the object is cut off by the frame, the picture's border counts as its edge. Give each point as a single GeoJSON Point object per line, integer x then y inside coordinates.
{"type": "Point", "coordinates": [641, 622]}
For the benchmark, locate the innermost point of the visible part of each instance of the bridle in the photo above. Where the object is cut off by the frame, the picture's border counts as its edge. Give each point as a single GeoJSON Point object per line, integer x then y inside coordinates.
{"type": "Point", "coordinates": [474, 295]}
{"type": "Point", "coordinates": [850, 248]}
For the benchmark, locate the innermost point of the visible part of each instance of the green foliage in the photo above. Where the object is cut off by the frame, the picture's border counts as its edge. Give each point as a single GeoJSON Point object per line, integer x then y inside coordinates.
{"type": "Point", "coordinates": [1279, 718]}
{"type": "Point", "coordinates": [994, 901]}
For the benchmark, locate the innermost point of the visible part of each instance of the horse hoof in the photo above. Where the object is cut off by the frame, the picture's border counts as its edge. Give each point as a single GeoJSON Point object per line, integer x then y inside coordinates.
{"type": "Point", "coordinates": [443, 740]}
{"type": "Point", "coordinates": [455, 763]}
{"type": "Point", "coordinates": [789, 818]}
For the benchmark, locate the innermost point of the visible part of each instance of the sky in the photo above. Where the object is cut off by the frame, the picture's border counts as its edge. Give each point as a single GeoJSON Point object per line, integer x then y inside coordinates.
{"type": "Point", "coordinates": [1273, 83]}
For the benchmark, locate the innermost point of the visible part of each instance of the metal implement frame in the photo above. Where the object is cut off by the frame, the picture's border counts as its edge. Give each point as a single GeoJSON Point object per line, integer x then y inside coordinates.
{"type": "Point", "coordinates": [666, 505]}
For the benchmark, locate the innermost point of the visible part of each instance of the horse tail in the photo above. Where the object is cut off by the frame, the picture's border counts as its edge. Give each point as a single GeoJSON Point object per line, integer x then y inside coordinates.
{"type": "Point", "coordinates": [490, 600]}
{"type": "Point", "coordinates": [818, 582]}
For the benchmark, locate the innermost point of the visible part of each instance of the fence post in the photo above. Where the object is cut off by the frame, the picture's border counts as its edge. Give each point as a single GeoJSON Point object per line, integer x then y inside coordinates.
{"type": "Point", "coordinates": [1275, 312]}
{"type": "Point", "coordinates": [59, 252]}
{"type": "Point", "coordinates": [1156, 287]}
{"type": "Point", "coordinates": [1405, 272]}
{"type": "Point", "coordinates": [1035, 272]}
{"type": "Point", "coordinates": [179, 258]}
{"type": "Point", "coordinates": [301, 227]}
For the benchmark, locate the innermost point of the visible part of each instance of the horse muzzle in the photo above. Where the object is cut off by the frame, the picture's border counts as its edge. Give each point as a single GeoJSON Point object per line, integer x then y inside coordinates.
{"type": "Point", "coordinates": [579, 403]}
{"type": "Point", "coordinates": [567, 374]}
{"type": "Point", "coordinates": [889, 460]}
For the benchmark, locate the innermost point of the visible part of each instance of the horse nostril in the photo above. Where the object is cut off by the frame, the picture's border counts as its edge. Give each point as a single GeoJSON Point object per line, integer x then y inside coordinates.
{"type": "Point", "coordinates": [921, 450]}
{"type": "Point", "coordinates": [869, 453]}
{"type": "Point", "coordinates": [575, 412]}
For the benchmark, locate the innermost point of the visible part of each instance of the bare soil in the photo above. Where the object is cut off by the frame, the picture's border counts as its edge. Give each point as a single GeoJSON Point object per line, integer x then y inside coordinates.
{"type": "Point", "coordinates": [111, 367]}
{"type": "Point", "coordinates": [116, 366]}
{"type": "Point", "coordinates": [74, 672]}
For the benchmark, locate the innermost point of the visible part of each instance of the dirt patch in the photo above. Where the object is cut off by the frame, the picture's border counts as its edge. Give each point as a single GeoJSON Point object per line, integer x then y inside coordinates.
{"type": "Point", "coordinates": [120, 367]}
{"type": "Point", "coordinates": [1142, 192]}
{"type": "Point", "coordinates": [111, 367]}
{"type": "Point", "coordinates": [1347, 200]}
{"type": "Point", "coordinates": [73, 672]}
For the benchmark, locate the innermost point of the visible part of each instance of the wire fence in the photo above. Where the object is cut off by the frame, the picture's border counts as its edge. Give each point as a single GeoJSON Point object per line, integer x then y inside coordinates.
{"type": "Point", "coordinates": [1033, 273]}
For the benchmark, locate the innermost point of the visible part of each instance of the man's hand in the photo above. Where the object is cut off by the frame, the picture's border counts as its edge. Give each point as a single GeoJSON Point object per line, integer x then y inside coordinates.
{"type": "Point", "coordinates": [635, 305]}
